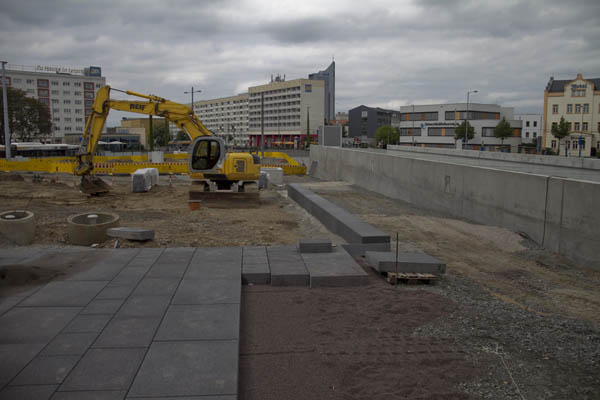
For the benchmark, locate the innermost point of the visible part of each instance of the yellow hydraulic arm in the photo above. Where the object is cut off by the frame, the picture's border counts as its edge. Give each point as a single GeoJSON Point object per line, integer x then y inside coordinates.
{"type": "Point", "coordinates": [180, 114]}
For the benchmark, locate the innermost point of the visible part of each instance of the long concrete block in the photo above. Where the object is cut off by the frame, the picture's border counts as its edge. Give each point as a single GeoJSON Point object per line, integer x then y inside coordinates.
{"type": "Point", "coordinates": [335, 218]}
{"type": "Point", "coordinates": [315, 246]}
{"type": "Point", "coordinates": [287, 267]}
{"type": "Point", "coordinates": [334, 269]}
{"type": "Point", "coordinates": [407, 262]}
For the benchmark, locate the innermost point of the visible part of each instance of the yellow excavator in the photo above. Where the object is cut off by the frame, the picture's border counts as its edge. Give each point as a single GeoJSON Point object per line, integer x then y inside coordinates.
{"type": "Point", "coordinates": [209, 163]}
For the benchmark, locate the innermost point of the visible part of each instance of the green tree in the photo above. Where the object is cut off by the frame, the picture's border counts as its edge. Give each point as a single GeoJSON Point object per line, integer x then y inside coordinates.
{"type": "Point", "coordinates": [160, 134]}
{"type": "Point", "coordinates": [181, 136]}
{"type": "Point", "coordinates": [387, 134]}
{"type": "Point", "coordinates": [560, 131]}
{"type": "Point", "coordinates": [459, 132]}
{"type": "Point", "coordinates": [502, 130]}
{"type": "Point", "coordinates": [28, 118]}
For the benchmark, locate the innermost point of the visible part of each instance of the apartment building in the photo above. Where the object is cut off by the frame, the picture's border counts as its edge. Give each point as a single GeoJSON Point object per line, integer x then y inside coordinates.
{"type": "Point", "coordinates": [434, 126]}
{"type": "Point", "coordinates": [364, 121]}
{"type": "Point", "coordinates": [578, 101]}
{"type": "Point", "coordinates": [531, 127]}
{"type": "Point", "coordinates": [69, 94]}
{"type": "Point", "coordinates": [226, 117]}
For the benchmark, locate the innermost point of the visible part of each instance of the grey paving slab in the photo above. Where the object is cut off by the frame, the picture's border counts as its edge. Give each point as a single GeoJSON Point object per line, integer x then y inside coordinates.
{"type": "Point", "coordinates": [288, 273]}
{"type": "Point", "coordinates": [91, 395]}
{"type": "Point", "coordinates": [64, 293]}
{"type": "Point", "coordinates": [198, 368]}
{"type": "Point", "coordinates": [87, 324]}
{"type": "Point", "coordinates": [34, 324]}
{"type": "Point", "coordinates": [128, 332]}
{"type": "Point", "coordinates": [106, 264]}
{"type": "Point", "coordinates": [186, 398]}
{"type": "Point", "coordinates": [307, 245]}
{"type": "Point", "coordinates": [214, 270]}
{"type": "Point", "coordinates": [172, 263]}
{"type": "Point", "coordinates": [254, 250]}
{"type": "Point", "coordinates": [104, 369]}
{"type": "Point", "coordinates": [262, 259]}
{"type": "Point", "coordinates": [70, 344]}
{"type": "Point", "coordinates": [59, 259]}
{"type": "Point", "coordinates": [213, 291]}
{"type": "Point", "coordinates": [256, 274]}
{"type": "Point", "coordinates": [130, 275]}
{"type": "Point", "coordinates": [14, 357]}
{"type": "Point", "coordinates": [407, 262]}
{"type": "Point", "coordinates": [146, 257]}
{"type": "Point", "coordinates": [144, 306]}
{"type": "Point", "coordinates": [334, 269]}
{"type": "Point", "coordinates": [200, 322]}
{"type": "Point", "coordinates": [6, 303]}
{"type": "Point", "coordinates": [282, 248]}
{"type": "Point", "coordinates": [100, 306]}
{"type": "Point", "coordinates": [30, 392]}
{"type": "Point", "coordinates": [46, 370]}
{"type": "Point", "coordinates": [115, 292]}
{"type": "Point", "coordinates": [156, 287]}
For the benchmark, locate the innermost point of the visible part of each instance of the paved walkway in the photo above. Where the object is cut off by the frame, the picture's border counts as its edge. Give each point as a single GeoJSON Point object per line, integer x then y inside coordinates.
{"type": "Point", "coordinates": [137, 323]}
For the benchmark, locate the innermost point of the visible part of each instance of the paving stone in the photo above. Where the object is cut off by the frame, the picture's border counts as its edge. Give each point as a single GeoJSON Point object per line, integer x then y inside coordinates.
{"type": "Point", "coordinates": [186, 398]}
{"type": "Point", "coordinates": [139, 234]}
{"type": "Point", "coordinates": [128, 332]}
{"type": "Point", "coordinates": [105, 369]}
{"type": "Point", "coordinates": [200, 322]}
{"type": "Point", "coordinates": [314, 246]}
{"type": "Point", "coordinates": [256, 274]}
{"type": "Point", "coordinates": [87, 324]}
{"type": "Point", "coordinates": [92, 395]}
{"type": "Point", "coordinates": [100, 306]}
{"type": "Point", "coordinates": [130, 275]}
{"type": "Point", "coordinates": [254, 250]}
{"type": "Point", "coordinates": [172, 263]}
{"type": "Point", "coordinates": [407, 262]}
{"type": "Point", "coordinates": [64, 293]}
{"type": "Point", "coordinates": [107, 263]}
{"type": "Point", "coordinates": [46, 370]}
{"type": "Point", "coordinates": [334, 269]}
{"type": "Point", "coordinates": [214, 291]}
{"type": "Point", "coordinates": [34, 324]}
{"type": "Point", "coordinates": [198, 368]}
{"type": "Point", "coordinates": [335, 218]}
{"type": "Point", "coordinates": [6, 303]}
{"type": "Point", "coordinates": [288, 273]}
{"type": "Point", "coordinates": [156, 287]}
{"type": "Point", "coordinates": [144, 306]}
{"type": "Point", "coordinates": [13, 357]}
{"type": "Point", "coordinates": [214, 270]}
{"type": "Point", "coordinates": [32, 392]}
{"type": "Point", "coordinates": [115, 292]}
{"type": "Point", "coordinates": [262, 259]}
{"type": "Point", "coordinates": [69, 344]}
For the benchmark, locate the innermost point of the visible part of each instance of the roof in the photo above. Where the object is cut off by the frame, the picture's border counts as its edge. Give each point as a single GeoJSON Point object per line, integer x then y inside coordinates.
{"type": "Point", "coordinates": [555, 86]}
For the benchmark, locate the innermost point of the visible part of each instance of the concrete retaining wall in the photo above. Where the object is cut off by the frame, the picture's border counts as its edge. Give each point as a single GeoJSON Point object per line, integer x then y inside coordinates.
{"type": "Point", "coordinates": [555, 212]}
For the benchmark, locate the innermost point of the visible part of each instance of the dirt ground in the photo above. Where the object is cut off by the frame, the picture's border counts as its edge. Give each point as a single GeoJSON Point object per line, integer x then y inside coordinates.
{"type": "Point", "coordinates": [509, 320]}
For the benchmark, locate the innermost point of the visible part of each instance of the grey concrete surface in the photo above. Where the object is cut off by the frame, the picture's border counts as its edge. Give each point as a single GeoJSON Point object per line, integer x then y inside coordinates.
{"type": "Point", "coordinates": [307, 245]}
{"type": "Point", "coordinates": [557, 213]}
{"type": "Point", "coordinates": [334, 269]}
{"type": "Point", "coordinates": [407, 262]}
{"type": "Point", "coordinates": [130, 233]}
{"type": "Point", "coordinates": [287, 267]}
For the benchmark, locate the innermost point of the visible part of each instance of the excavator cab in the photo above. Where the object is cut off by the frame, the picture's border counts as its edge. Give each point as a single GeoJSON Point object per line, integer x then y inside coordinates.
{"type": "Point", "coordinates": [207, 154]}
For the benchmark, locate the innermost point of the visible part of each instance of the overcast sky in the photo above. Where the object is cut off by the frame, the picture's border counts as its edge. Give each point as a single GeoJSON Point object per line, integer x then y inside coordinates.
{"type": "Point", "coordinates": [387, 53]}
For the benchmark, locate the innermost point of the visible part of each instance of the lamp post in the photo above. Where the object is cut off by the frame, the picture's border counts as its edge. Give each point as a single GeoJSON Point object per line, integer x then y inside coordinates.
{"type": "Point", "coordinates": [412, 131]}
{"type": "Point", "coordinates": [192, 93]}
{"type": "Point", "coordinates": [467, 119]}
{"type": "Point", "coordinates": [6, 127]}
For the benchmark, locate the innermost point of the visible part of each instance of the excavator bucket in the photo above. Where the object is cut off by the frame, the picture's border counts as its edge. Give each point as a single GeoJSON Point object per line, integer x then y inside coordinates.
{"type": "Point", "coordinates": [93, 185]}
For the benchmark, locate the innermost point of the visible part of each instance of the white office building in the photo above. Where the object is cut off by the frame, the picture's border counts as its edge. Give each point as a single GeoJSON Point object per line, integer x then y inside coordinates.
{"type": "Point", "coordinates": [69, 93]}
{"type": "Point", "coordinates": [226, 117]}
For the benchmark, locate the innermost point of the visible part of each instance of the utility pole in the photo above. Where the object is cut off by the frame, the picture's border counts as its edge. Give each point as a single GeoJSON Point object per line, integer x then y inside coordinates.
{"type": "Point", "coordinates": [262, 124]}
{"type": "Point", "coordinates": [192, 92]}
{"type": "Point", "coordinates": [6, 127]}
{"type": "Point", "coordinates": [467, 119]}
{"type": "Point", "coordinates": [412, 131]}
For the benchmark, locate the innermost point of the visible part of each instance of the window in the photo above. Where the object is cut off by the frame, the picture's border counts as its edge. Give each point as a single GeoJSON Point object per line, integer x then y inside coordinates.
{"type": "Point", "coordinates": [568, 143]}
{"type": "Point", "coordinates": [78, 84]}
{"type": "Point", "coordinates": [586, 108]}
{"type": "Point", "coordinates": [66, 101]}
{"type": "Point", "coordinates": [56, 119]}
{"type": "Point", "coordinates": [67, 128]}
{"type": "Point", "coordinates": [55, 110]}
{"type": "Point", "coordinates": [54, 101]}
{"type": "Point", "coordinates": [534, 134]}
{"type": "Point", "coordinates": [79, 119]}
{"type": "Point", "coordinates": [66, 92]}
{"type": "Point", "coordinates": [527, 123]}
{"type": "Point", "coordinates": [30, 91]}
{"type": "Point", "coordinates": [526, 134]}
{"type": "Point", "coordinates": [487, 132]}
{"type": "Point", "coordinates": [584, 126]}
{"type": "Point", "coordinates": [554, 125]}
{"type": "Point", "coordinates": [79, 128]}
{"type": "Point", "coordinates": [44, 101]}
{"type": "Point", "coordinates": [77, 101]}
{"type": "Point", "coordinates": [42, 83]}
{"type": "Point", "coordinates": [88, 85]}
{"type": "Point", "coordinates": [76, 93]}
{"type": "Point", "coordinates": [569, 108]}
{"type": "Point", "coordinates": [534, 124]}
{"type": "Point", "coordinates": [66, 83]}
{"type": "Point", "coordinates": [89, 103]}
{"type": "Point", "coordinates": [55, 92]}
{"type": "Point", "coordinates": [17, 80]}
{"type": "Point", "coordinates": [30, 81]}
{"type": "Point", "coordinates": [98, 85]}
{"type": "Point", "coordinates": [43, 93]}
{"type": "Point", "coordinates": [54, 83]}
{"type": "Point", "coordinates": [555, 109]}
{"type": "Point", "coordinates": [78, 111]}
{"type": "Point", "coordinates": [308, 88]}
{"type": "Point", "coordinates": [67, 110]}
{"type": "Point", "coordinates": [89, 95]}
{"type": "Point", "coordinates": [67, 119]}
{"type": "Point", "coordinates": [410, 131]}
{"type": "Point", "coordinates": [576, 126]}
{"type": "Point", "coordinates": [578, 92]}
{"type": "Point", "coordinates": [554, 144]}
{"type": "Point", "coordinates": [574, 144]}
{"type": "Point", "coordinates": [577, 108]}
{"type": "Point", "coordinates": [569, 125]}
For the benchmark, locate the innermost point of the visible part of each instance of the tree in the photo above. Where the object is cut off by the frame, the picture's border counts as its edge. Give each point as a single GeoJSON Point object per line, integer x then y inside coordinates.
{"type": "Point", "coordinates": [160, 135]}
{"type": "Point", "coordinates": [560, 131]}
{"type": "Point", "coordinates": [181, 136]}
{"type": "Point", "coordinates": [502, 130]}
{"type": "Point", "coordinates": [459, 132]}
{"type": "Point", "coordinates": [387, 134]}
{"type": "Point", "coordinates": [28, 118]}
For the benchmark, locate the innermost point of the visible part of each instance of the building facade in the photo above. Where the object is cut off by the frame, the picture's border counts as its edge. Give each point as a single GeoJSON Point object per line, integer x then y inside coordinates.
{"type": "Point", "coordinates": [226, 117]}
{"type": "Point", "coordinates": [328, 77]}
{"type": "Point", "coordinates": [434, 126]}
{"type": "Point", "coordinates": [363, 121]}
{"type": "Point", "coordinates": [531, 127]}
{"type": "Point", "coordinates": [69, 94]}
{"type": "Point", "coordinates": [578, 102]}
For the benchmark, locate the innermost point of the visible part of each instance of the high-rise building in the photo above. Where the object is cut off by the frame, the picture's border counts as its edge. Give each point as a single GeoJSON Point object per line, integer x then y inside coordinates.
{"type": "Point", "coordinates": [578, 102]}
{"type": "Point", "coordinates": [328, 76]}
{"type": "Point", "coordinates": [226, 117]}
{"type": "Point", "coordinates": [69, 93]}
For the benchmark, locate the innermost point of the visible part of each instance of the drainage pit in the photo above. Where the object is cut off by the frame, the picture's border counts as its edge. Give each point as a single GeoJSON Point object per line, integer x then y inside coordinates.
{"type": "Point", "coordinates": [88, 228]}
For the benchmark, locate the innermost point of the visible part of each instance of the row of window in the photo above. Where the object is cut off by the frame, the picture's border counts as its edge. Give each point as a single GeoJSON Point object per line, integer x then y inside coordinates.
{"type": "Point", "coordinates": [568, 143]}
{"type": "Point", "coordinates": [534, 124]}
{"type": "Point", "coordinates": [67, 119]}
{"type": "Point", "coordinates": [278, 111]}
{"type": "Point", "coordinates": [576, 125]}
{"type": "Point", "coordinates": [436, 131]}
{"type": "Point", "coordinates": [273, 98]}
{"type": "Point", "coordinates": [534, 134]}
{"type": "Point", "coordinates": [270, 125]}
{"type": "Point", "coordinates": [579, 108]}
{"type": "Point", "coordinates": [274, 92]}
{"type": "Point", "coordinates": [288, 117]}
{"type": "Point", "coordinates": [69, 129]}
{"type": "Point", "coordinates": [44, 83]}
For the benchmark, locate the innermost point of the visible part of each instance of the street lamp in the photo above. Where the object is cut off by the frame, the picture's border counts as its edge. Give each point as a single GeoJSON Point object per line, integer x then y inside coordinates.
{"type": "Point", "coordinates": [6, 127]}
{"type": "Point", "coordinates": [467, 119]}
{"type": "Point", "coordinates": [192, 93]}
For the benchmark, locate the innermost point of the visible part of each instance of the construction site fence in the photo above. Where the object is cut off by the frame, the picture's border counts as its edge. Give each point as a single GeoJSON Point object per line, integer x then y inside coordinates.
{"type": "Point", "coordinates": [107, 165]}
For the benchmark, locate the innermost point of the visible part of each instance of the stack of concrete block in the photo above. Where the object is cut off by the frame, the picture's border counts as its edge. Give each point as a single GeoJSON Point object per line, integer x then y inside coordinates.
{"type": "Point", "coordinates": [275, 174]}
{"type": "Point", "coordinates": [410, 262]}
{"type": "Point", "coordinates": [144, 179]}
